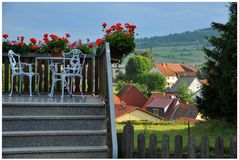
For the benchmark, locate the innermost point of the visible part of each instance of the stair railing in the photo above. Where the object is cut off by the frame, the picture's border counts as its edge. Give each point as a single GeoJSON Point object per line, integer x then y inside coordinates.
{"type": "Point", "coordinates": [106, 92]}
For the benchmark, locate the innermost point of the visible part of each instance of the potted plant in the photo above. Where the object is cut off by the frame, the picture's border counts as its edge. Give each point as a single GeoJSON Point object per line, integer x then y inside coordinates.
{"type": "Point", "coordinates": [18, 46]}
{"type": "Point", "coordinates": [55, 45]}
{"type": "Point", "coordinates": [86, 48]}
{"type": "Point", "coordinates": [121, 39]}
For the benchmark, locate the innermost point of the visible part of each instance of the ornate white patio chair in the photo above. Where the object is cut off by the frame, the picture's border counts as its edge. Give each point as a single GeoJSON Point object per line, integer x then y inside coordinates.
{"type": "Point", "coordinates": [77, 62]}
{"type": "Point", "coordinates": [17, 70]}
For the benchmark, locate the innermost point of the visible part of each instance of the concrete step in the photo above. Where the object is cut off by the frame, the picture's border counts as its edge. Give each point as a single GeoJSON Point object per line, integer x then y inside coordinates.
{"type": "Point", "coordinates": [56, 152]}
{"type": "Point", "coordinates": [53, 138]}
{"type": "Point", "coordinates": [52, 110]}
{"type": "Point", "coordinates": [30, 123]}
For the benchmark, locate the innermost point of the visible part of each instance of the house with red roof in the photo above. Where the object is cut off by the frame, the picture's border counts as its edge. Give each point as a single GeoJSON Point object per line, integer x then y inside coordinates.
{"type": "Point", "coordinates": [132, 105]}
{"type": "Point", "coordinates": [172, 71]}
{"type": "Point", "coordinates": [130, 95]}
{"type": "Point", "coordinates": [169, 107]}
{"type": "Point", "coordinates": [125, 112]}
{"type": "Point", "coordinates": [162, 105]}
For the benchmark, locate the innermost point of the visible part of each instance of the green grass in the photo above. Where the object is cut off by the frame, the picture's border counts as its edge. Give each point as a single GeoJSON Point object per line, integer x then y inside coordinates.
{"type": "Point", "coordinates": [212, 129]}
{"type": "Point", "coordinates": [179, 54]}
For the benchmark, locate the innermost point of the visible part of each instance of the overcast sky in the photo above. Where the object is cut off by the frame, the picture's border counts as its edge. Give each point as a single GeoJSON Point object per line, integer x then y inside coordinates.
{"type": "Point", "coordinates": [83, 20]}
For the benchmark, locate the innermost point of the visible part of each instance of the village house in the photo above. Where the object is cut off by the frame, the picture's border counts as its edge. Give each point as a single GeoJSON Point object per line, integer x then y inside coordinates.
{"type": "Point", "coordinates": [130, 95]}
{"type": "Point", "coordinates": [161, 104]}
{"type": "Point", "coordinates": [168, 106]}
{"type": "Point", "coordinates": [130, 104]}
{"type": "Point", "coordinates": [124, 112]}
{"type": "Point", "coordinates": [173, 71]}
{"type": "Point", "coordinates": [192, 83]}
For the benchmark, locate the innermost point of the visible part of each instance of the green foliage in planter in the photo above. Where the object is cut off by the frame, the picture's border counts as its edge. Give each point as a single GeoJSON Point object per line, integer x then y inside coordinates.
{"type": "Point", "coordinates": [85, 49]}
{"type": "Point", "coordinates": [121, 43]}
{"type": "Point", "coordinates": [57, 45]}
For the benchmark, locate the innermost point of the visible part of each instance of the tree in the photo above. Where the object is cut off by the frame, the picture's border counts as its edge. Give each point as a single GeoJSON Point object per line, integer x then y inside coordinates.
{"type": "Point", "coordinates": [136, 67]}
{"type": "Point", "coordinates": [119, 85]}
{"type": "Point", "coordinates": [148, 54]}
{"type": "Point", "coordinates": [220, 96]}
{"type": "Point", "coordinates": [154, 82]}
{"type": "Point", "coordinates": [185, 94]}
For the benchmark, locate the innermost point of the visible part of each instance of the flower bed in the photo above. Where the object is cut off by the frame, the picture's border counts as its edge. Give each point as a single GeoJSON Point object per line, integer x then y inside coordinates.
{"type": "Point", "coordinates": [121, 39]}
{"type": "Point", "coordinates": [50, 44]}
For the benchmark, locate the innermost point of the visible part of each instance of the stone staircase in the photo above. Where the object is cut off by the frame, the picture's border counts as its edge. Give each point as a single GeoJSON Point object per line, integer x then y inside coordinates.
{"type": "Point", "coordinates": [54, 130]}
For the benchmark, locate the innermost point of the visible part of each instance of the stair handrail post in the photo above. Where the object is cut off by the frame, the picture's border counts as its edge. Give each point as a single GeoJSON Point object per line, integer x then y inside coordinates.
{"type": "Point", "coordinates": [111, 101]}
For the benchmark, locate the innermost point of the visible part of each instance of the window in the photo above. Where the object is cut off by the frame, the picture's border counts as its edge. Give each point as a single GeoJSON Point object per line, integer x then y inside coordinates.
{"type": "Point", "coordinates": [156, 111]}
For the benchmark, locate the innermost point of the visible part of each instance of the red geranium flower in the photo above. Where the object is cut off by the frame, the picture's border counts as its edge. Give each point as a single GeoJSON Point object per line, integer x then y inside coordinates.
{"type": "Point", "coordinates": [65, 39]}
{"type": "Point", "coordinates": [68, 35]}
{"type": "Point", "coordinates": [5, 36]}
{"type": "Point", "coordinates": [21, 44]}
{"type": "Point", "coordinates": [91, 45]}
{"type": "Point", "coordinates": [118, 25]}
{"type": "Point", "coordinates": [53, 36]}
{"type": "Point", "coordinates": [108, 31]}
{"type": "Point", "coordinates": [33, 40]}
{"type": "Point", "coordinates": [72, 45]}
{"type": "Point", "coordinates": [98, 42]}
{"type": "Point", "coordinates": [46, 35]}
{"type": "Point", "coordinates": [104, 25]}
{"type": "Point", "coordinates": [127, 25]}
{"type": "Point", "coordinates": [112, 27]}
{"type": "Point", "coordinates": [46, 40]}
{"type": "Point", "coordinates": [33, 47]}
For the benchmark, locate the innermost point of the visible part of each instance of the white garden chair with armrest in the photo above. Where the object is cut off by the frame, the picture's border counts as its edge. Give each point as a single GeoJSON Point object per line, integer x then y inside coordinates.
{"type": "Point", "coordinates": [74, 70]}
{"type": "Point", "coordinates": [17, 70]}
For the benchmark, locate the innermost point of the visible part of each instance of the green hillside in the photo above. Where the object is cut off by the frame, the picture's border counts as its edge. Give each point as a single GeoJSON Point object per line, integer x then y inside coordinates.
{"type": "Point", "coordinates": [196, 38]}
{"type": "Point", "coordinates": [183, 47]}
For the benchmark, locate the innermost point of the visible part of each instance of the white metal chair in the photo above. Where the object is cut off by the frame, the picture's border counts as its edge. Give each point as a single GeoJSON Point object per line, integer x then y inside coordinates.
{"type": "Point", "coordinates": [74, 70]}
{"type": "Point", "coordinates": [17, 70]}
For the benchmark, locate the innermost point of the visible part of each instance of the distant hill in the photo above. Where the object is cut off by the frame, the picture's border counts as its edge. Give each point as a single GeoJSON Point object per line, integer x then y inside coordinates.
{"type": "Point", "coordinates": [193, 38]}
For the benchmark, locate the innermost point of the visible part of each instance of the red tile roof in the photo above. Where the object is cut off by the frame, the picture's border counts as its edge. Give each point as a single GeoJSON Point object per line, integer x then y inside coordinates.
{"type": "Point", "coordinates": [189, 68]}
{"type": "Point", "coordinates": [164, 69]}
{"type": "Point", "coordinates": [117, 100]}
{"type": "Point", "coordinates": [186, 110]}
{"type": "Point", "coordinates": [160, 95]}
{"type": "Point", "coordinates": [132, 96]}
{"type": "Point", "coordinates": [175, 67]}
{"type": "Point", "coordinates": [120, 110]}
{"type": "Point", "coordinates": [171, 110]}
{"type": "Point", "coordinates": [172, 69]}
{"type": "Point", "coordinates": [160, 103]}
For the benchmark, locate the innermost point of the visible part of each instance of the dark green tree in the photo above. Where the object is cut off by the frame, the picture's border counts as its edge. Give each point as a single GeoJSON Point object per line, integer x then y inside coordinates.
{"type": "Point", "coordinates": [185, 94]}
{"type": "Point", "coordinates": [154, 82]}
{"type": "Point", "coordinates": [219, 98]}
{"type": "Point", "coordinates": [136, 67]}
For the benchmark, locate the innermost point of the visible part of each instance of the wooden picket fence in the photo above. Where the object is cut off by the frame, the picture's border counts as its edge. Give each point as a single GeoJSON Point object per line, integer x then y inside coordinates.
{"type": "Point", "coordinates": [126, 146]}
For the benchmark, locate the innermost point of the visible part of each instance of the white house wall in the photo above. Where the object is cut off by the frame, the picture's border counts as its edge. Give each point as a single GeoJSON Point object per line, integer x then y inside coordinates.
{"type": "Point", "coordinates": [171, 80]}
{"type": "Point", "coordinates": [195, 85]}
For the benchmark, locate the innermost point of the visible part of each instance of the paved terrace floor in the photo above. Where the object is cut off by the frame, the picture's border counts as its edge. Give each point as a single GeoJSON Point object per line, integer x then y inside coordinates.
{"type": "Point", "coordinates": [44, 100]}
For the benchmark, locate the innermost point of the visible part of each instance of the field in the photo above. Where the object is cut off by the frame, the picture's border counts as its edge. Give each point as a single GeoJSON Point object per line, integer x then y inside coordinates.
{"type": "Point", "coordinates": [180, 54]}
{"type": "Point", "coordinates": [212, 129]}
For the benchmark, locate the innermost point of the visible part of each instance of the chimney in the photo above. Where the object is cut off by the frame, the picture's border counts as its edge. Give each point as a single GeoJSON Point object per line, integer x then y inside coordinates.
{"type": "Point", "coordinates": [164, 64]}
